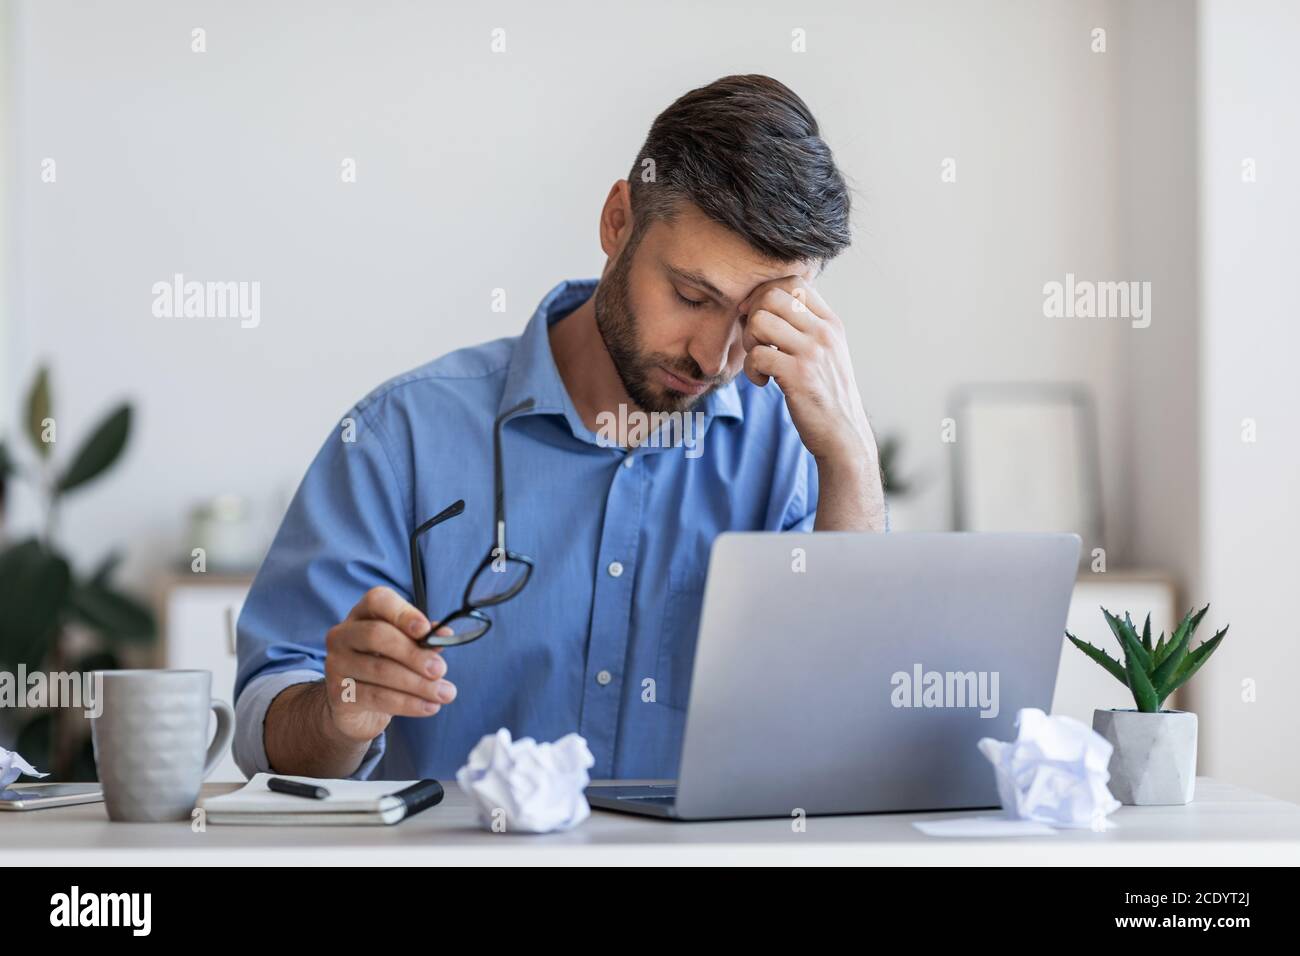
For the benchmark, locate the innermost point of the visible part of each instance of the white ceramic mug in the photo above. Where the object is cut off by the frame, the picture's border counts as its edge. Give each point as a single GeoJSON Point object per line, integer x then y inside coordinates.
{"type": "Point", "coordinates": [151, 741]}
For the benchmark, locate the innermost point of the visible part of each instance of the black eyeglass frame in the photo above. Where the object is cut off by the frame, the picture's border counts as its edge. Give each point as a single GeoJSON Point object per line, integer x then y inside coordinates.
{"type": "Point", "coordinates": [470, 608]}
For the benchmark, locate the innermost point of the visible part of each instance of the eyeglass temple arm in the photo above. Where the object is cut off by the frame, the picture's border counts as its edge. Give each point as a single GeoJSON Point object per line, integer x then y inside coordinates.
{"type": "Point", "coordinates": [417, 564]}
{"type": "Point", "coordinates": [499, 486]}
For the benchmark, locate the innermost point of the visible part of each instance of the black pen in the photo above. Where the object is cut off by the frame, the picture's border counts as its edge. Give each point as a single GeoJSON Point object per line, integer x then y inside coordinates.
{"type": "Point", "coordinates": [296, 789]}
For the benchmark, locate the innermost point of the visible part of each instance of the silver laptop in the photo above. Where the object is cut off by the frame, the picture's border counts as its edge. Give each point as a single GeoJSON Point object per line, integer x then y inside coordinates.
{"type": "Point", "coordinates": [854, 673]}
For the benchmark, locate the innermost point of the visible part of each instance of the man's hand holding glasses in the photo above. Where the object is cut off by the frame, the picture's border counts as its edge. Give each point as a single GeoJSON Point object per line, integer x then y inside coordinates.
{"type": "Point", "coordinates": [391, 650]}
{"type": "Point", "coordinates": [392, 675]}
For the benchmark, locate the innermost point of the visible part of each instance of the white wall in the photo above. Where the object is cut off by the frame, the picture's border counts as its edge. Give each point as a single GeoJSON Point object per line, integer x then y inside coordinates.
{"type": "Point", "coordinates": [1156, 195]}
{"type": "Point", "coordinates": [479, 171]}
{"type": "Point", "coordinates": [1249, 254]}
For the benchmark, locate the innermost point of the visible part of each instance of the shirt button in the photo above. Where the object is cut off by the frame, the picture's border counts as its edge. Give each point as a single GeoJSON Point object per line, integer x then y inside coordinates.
{"type": "Point", "coordinates": [615, 569]}
{"type": "Point", "coordinates": [627, 462]}
{"type": "Point", "coordinates": [604, 677]}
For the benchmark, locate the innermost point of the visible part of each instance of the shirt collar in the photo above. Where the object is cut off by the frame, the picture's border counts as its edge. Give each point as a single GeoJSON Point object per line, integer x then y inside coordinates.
{"type": "Point", "coordinates": [533, 373]}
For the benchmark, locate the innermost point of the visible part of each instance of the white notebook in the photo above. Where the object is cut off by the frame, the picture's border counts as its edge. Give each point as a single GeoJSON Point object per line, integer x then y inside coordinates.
{"type": "Point", "coordinates": [350, 802]}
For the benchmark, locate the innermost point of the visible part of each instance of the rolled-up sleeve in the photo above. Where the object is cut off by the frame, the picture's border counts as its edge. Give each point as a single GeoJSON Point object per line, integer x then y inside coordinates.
{"type": "Point", "coordinates": [250, 723]}
{"type": "Point", "coordinates": [344, 533]}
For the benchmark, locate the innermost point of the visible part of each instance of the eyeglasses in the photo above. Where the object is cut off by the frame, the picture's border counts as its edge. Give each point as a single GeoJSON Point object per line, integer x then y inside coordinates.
{"type": "Point", "coordinates": [500, 575]}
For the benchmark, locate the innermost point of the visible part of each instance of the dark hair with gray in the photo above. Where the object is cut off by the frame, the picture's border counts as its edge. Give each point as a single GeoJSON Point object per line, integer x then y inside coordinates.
{"type": "Point", "coordinates": [746, 150]}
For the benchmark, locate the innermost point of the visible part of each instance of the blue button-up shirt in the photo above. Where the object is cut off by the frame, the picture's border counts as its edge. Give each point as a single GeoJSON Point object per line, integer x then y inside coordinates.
{"type": "Point", "coordinates": [602, 639]}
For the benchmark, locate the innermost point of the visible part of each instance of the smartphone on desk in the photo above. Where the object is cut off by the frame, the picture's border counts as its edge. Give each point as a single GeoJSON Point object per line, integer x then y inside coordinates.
{"type": "Point", "coordinates": [36, 796]}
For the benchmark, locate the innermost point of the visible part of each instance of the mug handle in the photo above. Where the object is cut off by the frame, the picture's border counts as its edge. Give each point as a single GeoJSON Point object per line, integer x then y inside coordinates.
{"type": "Point", "coordinates": [220, 740]}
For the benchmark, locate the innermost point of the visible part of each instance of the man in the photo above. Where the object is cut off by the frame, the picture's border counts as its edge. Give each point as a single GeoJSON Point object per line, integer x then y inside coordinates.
{"type": "Point", "coordinates": [713, 243]}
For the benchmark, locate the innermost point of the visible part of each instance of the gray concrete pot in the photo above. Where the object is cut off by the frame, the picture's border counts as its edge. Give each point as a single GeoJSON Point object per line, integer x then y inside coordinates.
{"type": "Point", "coordinates": [1154, 762]}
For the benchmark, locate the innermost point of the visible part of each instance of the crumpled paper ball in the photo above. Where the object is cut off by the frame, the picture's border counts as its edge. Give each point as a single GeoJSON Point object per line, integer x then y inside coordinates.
{"type": "Point", "coordinates": [1054, 772]}
{"type": "Point", "coordinates": [12, 765]}
{"type": "Point", "coordinates": [526, 786]}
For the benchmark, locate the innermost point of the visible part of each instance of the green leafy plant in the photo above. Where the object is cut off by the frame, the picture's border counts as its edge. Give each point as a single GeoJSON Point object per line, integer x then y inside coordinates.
{"type": "Point", "coordinates": [888, 449]}
{"type": "Point", "coordinates": [1153, 670]}
{"type": "Point", "coordinates": [41, 593]}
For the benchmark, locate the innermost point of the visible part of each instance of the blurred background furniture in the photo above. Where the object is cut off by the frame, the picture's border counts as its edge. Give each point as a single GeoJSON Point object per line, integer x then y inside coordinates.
{"type": "Point", "coordinates": [1025, 459]}
{"type": "Point", "coordinates": [198, 614]}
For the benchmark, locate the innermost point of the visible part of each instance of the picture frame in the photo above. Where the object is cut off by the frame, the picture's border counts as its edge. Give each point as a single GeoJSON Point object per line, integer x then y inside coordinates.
{"type": "Point", "coordinates": [1025, 458]}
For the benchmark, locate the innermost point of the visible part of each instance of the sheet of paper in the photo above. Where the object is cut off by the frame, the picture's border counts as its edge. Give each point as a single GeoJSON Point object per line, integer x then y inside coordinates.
{"type": "Point", "coordinates": [983, 827]}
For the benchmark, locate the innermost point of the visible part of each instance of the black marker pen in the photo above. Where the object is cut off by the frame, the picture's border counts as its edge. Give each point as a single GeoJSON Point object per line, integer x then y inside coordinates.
{"type": "Point", "coordinates": [294, 788]}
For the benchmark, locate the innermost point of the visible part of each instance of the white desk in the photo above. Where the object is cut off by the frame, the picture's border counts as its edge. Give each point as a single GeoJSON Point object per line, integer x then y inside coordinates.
{"type": "Point", "coordinates": [1224, 826]}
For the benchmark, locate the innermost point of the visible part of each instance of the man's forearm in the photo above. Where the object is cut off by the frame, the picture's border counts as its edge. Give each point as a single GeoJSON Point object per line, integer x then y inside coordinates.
{"type": "Point", "coordinates": [300, 737]}
{"type": "Point", "coordinates": [850, 495]}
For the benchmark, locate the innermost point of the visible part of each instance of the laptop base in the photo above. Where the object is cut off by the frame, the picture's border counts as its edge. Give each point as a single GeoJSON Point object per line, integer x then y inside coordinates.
{"type": "Point", "coordinates": [651, 800]}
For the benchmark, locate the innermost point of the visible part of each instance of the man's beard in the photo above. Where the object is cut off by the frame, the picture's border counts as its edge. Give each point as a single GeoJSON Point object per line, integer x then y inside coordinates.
{"type": "Point", "coordinates": [618, 327]}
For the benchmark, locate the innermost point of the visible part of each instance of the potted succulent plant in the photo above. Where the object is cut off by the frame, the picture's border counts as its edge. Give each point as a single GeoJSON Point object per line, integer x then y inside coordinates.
{"type": "Point", "coordinates": [1155, 749]}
